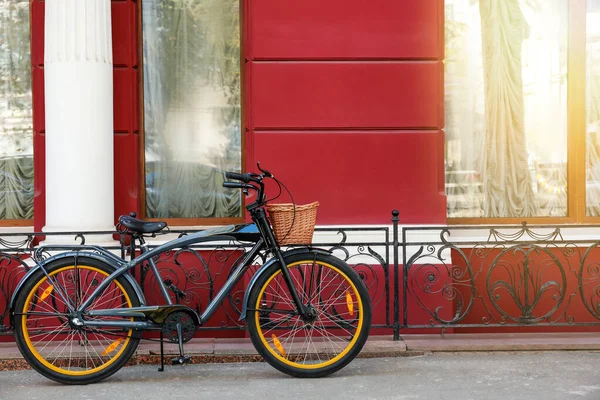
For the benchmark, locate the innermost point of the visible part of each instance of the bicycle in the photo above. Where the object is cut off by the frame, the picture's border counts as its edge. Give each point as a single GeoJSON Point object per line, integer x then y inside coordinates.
{"type": "Point", "coordinates": [308, 313]}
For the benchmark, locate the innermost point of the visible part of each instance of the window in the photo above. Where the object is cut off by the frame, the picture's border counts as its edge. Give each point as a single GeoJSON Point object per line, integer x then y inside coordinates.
{"type": "Point", "coordinates": [506, 108]}
{"type": "Point", "coordinates": [522, 100]}
{"type": "Point", "coordinates": [192, 117]}
{"type": "Point", "coordinates": [16, 129]}
{"type": "Point", "coordinates": [593, 109]}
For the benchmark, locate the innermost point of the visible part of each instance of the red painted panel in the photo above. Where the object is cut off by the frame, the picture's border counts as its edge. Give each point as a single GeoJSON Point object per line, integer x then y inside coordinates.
{"type": "Point", "coordinates": [135, 103]}
{"type": "Point", "coordinates": [127, 177]}
{"type": "Point", "coordinates": [126, 115]}
{"type": "Point", "coordinates": [37, 32]}
{"type": "Point", "coordinates": [124, 33]}
{"type": "Point", "coordinates": [347, 95]}
{"type": "Point", "coordinates": [125, 100]}
{"type": "Point", "coordinates": [39, 181]}
{"type": "Point", "coordinates": [317, 29]}
{"type": "Point", "coordinates": [37, 88]}
{"type": "Point", "coordinates": [359, 177]}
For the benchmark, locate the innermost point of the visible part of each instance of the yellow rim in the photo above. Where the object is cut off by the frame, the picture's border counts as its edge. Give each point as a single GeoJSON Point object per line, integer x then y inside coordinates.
{"type": "Point", "coordinates": [280, 355]}
{"type": "Point", "coordinates": [39, 357]}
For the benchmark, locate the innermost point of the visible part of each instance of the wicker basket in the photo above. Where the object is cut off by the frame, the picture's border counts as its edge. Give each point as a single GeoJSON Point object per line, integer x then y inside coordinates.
{"type": "Point", "coordinates": [282, 216]}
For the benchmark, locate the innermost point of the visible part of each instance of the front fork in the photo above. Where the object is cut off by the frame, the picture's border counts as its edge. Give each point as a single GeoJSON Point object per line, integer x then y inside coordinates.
{"type": "Point", "coordinates": [260, 218]}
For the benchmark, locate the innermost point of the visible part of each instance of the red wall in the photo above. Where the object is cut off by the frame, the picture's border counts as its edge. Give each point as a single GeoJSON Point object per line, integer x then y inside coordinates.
{"type": "Point", "coordinates": [344, 103]}
{"type": "Point", "coordinates": [39, 119]}
{"type": "Point", "coordinates": [126, 107]}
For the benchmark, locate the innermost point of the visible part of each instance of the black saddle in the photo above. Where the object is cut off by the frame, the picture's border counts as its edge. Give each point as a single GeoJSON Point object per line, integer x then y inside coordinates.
{"type": "Point", "coordinates": [139, 226]}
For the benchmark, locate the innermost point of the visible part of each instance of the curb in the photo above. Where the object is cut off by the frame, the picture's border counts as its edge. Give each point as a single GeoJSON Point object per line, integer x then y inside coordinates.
{"type": "Point", "coordinates": [490, 342]}
{"type": "Point", "coordinates": [216, 351]}
{"type": "Point", "coordinates": [221, 350]}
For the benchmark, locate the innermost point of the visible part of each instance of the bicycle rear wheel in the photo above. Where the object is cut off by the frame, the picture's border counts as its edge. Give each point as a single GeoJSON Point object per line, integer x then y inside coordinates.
{"type": "Point", "coordinates": [48, 339]}
{"type": "Point", "coordinates": [337, 329]}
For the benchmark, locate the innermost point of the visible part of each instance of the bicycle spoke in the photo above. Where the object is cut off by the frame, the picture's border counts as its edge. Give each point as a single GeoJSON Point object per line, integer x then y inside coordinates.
{"type": "Point", "coordinates": [66, 345]}
{"type": "Point", "coordinates": [316, 341]}
{"type": "Point", "coordinates": [42, 314]}
{"type": "Point", "coordinates": [46, 320]}
{"type": "Point", "coordinates": [334, 320]}
{"type": "Point", "coordinates": [56, 331]}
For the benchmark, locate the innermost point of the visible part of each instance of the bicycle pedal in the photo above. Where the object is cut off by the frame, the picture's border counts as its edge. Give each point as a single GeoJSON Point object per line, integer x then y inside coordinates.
{"type": "Point", "coordinates": [181, 360]}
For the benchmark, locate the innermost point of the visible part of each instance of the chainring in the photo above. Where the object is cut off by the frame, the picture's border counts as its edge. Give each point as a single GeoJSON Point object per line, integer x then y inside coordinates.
{"type": "Point", "coordinates": [188, 326]}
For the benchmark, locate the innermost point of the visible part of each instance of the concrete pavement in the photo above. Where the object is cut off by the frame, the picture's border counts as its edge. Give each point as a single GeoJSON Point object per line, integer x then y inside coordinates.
{"type": "Point", "coordinates": [557, 375]}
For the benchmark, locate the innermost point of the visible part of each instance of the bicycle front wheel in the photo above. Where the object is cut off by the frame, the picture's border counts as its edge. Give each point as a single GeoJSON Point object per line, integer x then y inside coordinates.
{"type": "Point", "coordinates": [48, 338]}
{"type": "Point", "coordinates": [326, 341]}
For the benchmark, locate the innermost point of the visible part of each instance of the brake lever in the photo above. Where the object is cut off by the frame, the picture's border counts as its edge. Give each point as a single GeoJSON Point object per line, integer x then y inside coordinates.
{"type": "Point", "coordinates": [264, 171]}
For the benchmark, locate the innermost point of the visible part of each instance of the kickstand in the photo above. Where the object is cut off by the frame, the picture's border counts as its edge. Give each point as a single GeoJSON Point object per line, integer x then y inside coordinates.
{"type": "Point", "coordinates": [182, 359]}
{"type": "Point", "coordinates": [162, 354]}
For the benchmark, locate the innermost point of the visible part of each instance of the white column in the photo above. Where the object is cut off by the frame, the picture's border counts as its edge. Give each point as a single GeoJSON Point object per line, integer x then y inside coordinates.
{"type": "Point", "coordinates": [79, 118]}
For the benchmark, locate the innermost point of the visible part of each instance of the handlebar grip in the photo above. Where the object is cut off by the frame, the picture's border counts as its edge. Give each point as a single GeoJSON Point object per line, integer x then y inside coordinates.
{"type": "Point", "coordinates": [233, 185]}
{"type": "Point", "coordinates": [238, 185]}
{"type": "Point", "coordinates": [238, 177]}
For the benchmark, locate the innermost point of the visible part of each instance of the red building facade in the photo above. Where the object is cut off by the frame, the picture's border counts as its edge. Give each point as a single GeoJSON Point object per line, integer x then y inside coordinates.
{"type": "Point", "coordinates": [343, 101]}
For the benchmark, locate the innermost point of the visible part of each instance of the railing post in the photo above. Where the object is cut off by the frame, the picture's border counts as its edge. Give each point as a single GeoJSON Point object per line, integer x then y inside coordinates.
{"type": "Point", "coordinates": [395, 219]}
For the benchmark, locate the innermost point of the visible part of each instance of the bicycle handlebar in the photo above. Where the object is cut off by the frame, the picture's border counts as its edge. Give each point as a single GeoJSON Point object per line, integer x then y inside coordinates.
{"type": "Point", "coordinates": [238, 177]}
{"type": "Point", "coordinates": [238, 185]}
{"type": "Point", "coordinates": [249, 177]}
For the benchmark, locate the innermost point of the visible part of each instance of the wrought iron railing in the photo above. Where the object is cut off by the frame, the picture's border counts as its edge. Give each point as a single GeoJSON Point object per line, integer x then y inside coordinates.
{"type": "Point", "coordinates": [459, 277]}
{"type": "Point", "coordinates": [196, 273]}
{"type": "Point", "coordinates": [500, 276]}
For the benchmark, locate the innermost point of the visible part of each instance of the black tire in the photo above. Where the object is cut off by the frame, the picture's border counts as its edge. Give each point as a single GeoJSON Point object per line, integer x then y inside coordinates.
{"type": "Point", "coordinates": [38, 297]}
{"type": "Point", "coordinates": [270, 313]}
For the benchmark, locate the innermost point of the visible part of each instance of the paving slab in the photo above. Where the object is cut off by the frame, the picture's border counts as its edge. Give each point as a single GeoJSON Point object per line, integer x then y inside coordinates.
{"type": "Point", "coordinates": [503, 342]}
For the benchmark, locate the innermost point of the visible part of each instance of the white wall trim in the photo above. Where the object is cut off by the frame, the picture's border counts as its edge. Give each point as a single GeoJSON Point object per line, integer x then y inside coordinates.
{"type": "Point", "coordinates": [583, 235]}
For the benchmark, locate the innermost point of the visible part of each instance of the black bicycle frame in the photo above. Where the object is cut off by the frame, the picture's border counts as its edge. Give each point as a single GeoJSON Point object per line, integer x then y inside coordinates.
{"type": "Point", "coordinates": [139, 311]}
{"type": "Point", "coordinates": [266, 241]}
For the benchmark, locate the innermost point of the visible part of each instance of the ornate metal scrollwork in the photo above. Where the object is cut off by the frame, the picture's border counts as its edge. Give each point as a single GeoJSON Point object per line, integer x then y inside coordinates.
{"type": "Point", "coordinates": [195, 275]}
{"type": "Point", "coordinates": [14, 250]}
{"type": "Point", "coordinates": [452, 285]}
{"type": "Point", "coordinates": [517, 277]}
{"type": "Point", "coordinates": [535, 275]}
{"type": "Point", "coordinates": [12, 269]}
{"type": "Point", "coordinates": [366, 262]}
